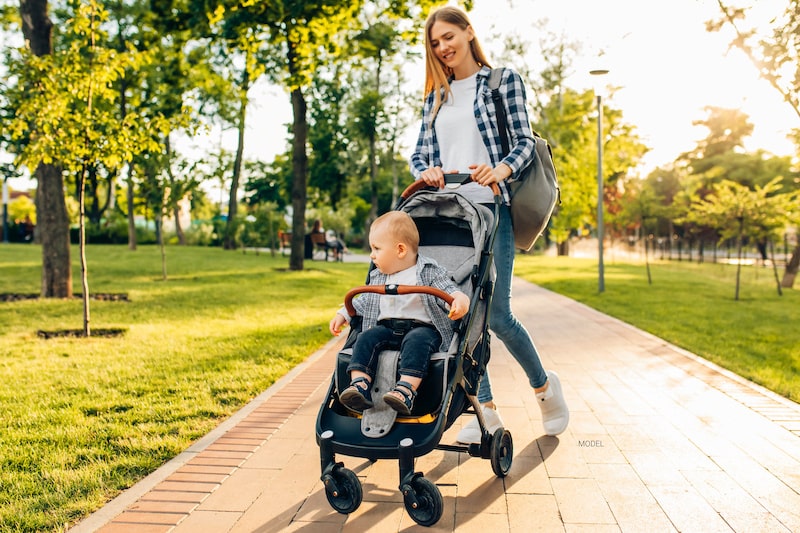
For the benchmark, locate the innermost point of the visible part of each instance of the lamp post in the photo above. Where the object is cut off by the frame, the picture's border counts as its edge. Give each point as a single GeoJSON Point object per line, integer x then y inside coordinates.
{"type": "Point", "coordinates": [601, 285]}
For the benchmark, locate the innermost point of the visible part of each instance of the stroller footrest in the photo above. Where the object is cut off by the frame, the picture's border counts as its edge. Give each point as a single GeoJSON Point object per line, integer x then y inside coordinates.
{"type": "Point", "coordinates": [378, 420]}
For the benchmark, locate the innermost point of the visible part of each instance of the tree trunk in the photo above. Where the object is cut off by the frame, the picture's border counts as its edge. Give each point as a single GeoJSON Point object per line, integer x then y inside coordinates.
{"type": "Point", "coordinates": [36, 26]}
{"type": "Point", "coordinates": [123, 111]}
{"type": "Point", "coordinates": [373, 159]}
{"type": "Point", "coordinates": [176, 213]}
{"type": "Point", "coordinates": [87, 330]}
{"type": "Point", "coordinates": [176, 208]}
{"type": "Point", "coordinates": [51, 209]}
{"type": "Point", "coordinates": [300, 168]}
{"type": "Point", "coordinates": [774, 267]}
{"type": "Point", "coordinates": [53, 230]}
{"type": "Point", "coordinates": [233, 201]}
{"type": "Point", "coordinates": [131, 206]}
{"type": "Point", "coordinates": [791, 267]}
{"type": "Point", "coordinates": [739, 256]}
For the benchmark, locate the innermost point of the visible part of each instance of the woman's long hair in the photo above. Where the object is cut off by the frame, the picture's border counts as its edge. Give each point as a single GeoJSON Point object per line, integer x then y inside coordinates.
{"type": "Point", "coordinates": [437, 74]}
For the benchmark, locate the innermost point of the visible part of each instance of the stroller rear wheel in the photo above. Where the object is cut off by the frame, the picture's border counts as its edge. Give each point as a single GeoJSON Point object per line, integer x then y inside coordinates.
{"type": "Point", "coordinates": [502, 452]}
{"type": "Point", "coordinates": [343, 490]}
{"type": "Point", "coordinates": [423, 501]}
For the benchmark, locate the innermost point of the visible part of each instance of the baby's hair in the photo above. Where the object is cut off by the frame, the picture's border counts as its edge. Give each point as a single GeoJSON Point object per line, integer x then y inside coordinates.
{"type": "Point", "coordinates": [401, 228]}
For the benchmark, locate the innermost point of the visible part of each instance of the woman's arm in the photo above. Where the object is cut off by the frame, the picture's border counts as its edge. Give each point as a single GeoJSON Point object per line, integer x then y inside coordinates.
{"type": "Point", "coordinates": [422, 158]}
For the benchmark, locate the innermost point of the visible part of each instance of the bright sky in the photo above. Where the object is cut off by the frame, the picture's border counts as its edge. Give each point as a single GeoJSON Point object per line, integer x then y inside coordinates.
{"type": "Point", "coordinates": [667, 66]}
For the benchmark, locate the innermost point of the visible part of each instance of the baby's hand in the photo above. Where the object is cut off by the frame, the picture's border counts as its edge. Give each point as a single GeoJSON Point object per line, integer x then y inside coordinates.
{"type": "Point", "coordinates": [336, 324]}
{"type": "Point", "coordinates": [459, 307]}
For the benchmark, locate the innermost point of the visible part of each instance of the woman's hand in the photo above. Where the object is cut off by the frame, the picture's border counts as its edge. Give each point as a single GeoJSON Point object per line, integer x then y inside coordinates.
{"type": "Point", "coordinates": [433, 176]}
{"type": "Point", "coordinates": [486, 175]}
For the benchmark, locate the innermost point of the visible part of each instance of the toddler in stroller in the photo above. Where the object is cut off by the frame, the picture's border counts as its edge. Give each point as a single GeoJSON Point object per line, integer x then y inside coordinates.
{"type": "Point", "coordinates": [415, 322]}
{"type": "Point", "coordinates": [457, 235]}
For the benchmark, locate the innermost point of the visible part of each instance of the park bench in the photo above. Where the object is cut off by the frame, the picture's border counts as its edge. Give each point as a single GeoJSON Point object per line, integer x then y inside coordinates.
{"type": "Point", "coordinates": [321, 245]}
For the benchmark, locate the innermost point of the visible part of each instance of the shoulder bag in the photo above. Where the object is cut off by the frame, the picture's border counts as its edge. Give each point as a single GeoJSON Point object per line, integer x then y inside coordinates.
{"type": "Point", "coordinates": [535, 194]}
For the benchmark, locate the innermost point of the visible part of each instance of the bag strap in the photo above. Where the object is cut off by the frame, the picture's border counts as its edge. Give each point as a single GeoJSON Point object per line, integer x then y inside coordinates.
{"type": "Point", "coordinates": [500, 109]}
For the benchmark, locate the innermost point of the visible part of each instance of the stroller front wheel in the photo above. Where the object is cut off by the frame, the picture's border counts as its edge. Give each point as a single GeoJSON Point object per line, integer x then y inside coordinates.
{"type": "Point", "coordinates": [502, 452]}
{"type": "Point", "coordinates": [343, 490]}
{"type": "Point", "coordinates": [423, 501]}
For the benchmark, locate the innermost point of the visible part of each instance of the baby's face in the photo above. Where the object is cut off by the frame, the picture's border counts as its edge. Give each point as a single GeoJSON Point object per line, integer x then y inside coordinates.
{"type": "Point", "coordinates": [385, 252]}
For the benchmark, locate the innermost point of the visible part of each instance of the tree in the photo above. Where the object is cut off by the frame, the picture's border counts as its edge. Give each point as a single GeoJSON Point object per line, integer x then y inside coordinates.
{"type": "Point", "coordinates": [739, 212]}
{"type": "Point", "coordinates": [720, 157]}
{"type": "Point", "coordinates": [306, 37]}
{"type": "Point", "coordinates": [328, 136]}
{"type": "Point", "coordinates": [777, 60]}
{"type": "Point", "coordinates": [53, 221]}
{"type": "Point", "coordinates": [302, 37]}
{"type": "Point", "coordinates": [61, 103]}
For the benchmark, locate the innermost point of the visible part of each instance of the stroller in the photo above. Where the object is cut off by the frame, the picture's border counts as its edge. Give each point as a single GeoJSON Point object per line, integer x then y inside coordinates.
{"type": "Point", "coordinates": [459, 235]}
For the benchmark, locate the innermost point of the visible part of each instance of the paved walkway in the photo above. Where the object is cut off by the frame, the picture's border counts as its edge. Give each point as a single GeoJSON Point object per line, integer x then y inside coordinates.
{"type": "Point", "coordinates": [659, 440]}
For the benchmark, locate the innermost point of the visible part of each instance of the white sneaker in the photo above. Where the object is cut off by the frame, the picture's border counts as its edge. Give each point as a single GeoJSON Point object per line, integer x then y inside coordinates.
{"type": "Point", "coordinates": [471, 433]}
{"type": "Point", "coordinates": [555, 414]}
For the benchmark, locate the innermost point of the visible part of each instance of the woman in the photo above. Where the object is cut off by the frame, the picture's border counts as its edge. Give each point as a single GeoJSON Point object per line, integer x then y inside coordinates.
{"type": "Point", "coordinates": [331, 240]}
{"type": "Point", "coordinates": [459, 134]}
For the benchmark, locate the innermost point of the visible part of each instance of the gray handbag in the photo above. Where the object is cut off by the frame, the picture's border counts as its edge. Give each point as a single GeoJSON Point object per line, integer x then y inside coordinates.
{"type": "Point", "coordinates": [535, 194]}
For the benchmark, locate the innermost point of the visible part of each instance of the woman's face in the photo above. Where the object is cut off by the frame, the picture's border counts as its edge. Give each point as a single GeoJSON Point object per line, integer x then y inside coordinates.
{"type": "Point", "coordinates": [451, 44]}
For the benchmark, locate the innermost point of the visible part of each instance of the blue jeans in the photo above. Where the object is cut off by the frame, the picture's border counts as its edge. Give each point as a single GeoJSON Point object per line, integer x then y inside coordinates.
{"type": "Point", "coordinates": [502, 320]}
{"type": "Point", "coordinates": [416, 347]}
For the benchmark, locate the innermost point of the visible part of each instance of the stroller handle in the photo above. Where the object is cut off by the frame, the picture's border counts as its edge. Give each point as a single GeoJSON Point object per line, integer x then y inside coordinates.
{"type": "Point", "coordinates": [461, 178]}
{"type": "Point", "coordinates": [393, 289]}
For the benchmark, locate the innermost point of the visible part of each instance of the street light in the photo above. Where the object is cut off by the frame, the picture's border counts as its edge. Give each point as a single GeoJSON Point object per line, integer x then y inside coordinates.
{"type": "Point", "coordinates": [601, 285]}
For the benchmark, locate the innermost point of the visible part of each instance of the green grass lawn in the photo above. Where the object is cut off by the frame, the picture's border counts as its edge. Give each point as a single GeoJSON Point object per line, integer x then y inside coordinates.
{"type": "Point", "coordinates": [84, 419]}
{"type": "Point", "coordinates": [693, 306]}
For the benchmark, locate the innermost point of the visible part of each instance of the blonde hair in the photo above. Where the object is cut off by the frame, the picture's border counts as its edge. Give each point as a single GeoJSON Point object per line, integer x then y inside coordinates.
{"type": "Point", "coordinates": [401, 228]}
{"type": "Point", "coordinates": [437, 74]}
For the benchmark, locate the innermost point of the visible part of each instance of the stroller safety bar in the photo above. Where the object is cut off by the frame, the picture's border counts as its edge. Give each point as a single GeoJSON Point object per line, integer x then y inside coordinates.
{"type": "Point", "coordinates": [392, 289]}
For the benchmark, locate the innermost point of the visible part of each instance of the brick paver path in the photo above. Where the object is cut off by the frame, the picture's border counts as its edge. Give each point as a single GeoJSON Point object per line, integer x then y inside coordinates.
{"type": "Point", "coordinates": [659, 440]}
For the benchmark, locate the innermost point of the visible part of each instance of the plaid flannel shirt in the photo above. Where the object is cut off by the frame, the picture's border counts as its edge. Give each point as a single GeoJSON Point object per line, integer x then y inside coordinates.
{"type": "Point", "coordinates": [426, 154]}
{"type": "Point", "coordinates": [428, 273]}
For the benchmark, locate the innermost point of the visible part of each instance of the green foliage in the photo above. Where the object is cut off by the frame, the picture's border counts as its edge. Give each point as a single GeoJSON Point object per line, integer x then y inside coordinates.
{"type": "Point", "coordinates": [331, 151]}
{"type": "Point", "coordinates": [261, 225]}
{"type": "Point", "coordinates": [64, 102]}
{"type": "Point", "coordinates": [200, 234]}
{"type": "Point", "coordinates": [266, 183]}
{"type": "Point", "coordinates": [22, 207]}
{"type": "Point", "coordinates": [732, 209]}
{"type": "Point", "coordinates": [113, 230]}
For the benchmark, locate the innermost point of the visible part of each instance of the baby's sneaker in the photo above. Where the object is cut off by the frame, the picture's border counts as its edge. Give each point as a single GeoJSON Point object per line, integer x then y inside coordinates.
{"type": "Point", "coordinates": [555, 414]}
{"type": "Point", "coordinates": [471, 433]}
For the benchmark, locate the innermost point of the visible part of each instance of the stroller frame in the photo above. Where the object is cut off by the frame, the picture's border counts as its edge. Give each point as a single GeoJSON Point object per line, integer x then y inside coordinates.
{"type": "Point", "coordinates": [338, 429]}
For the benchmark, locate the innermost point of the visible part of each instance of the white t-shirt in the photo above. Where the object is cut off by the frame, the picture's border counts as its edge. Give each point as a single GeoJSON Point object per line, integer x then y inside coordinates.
{"type": "Point", "coordinates": [408, 306]}
{"type": "Point", "coordinates": [460, 141]}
